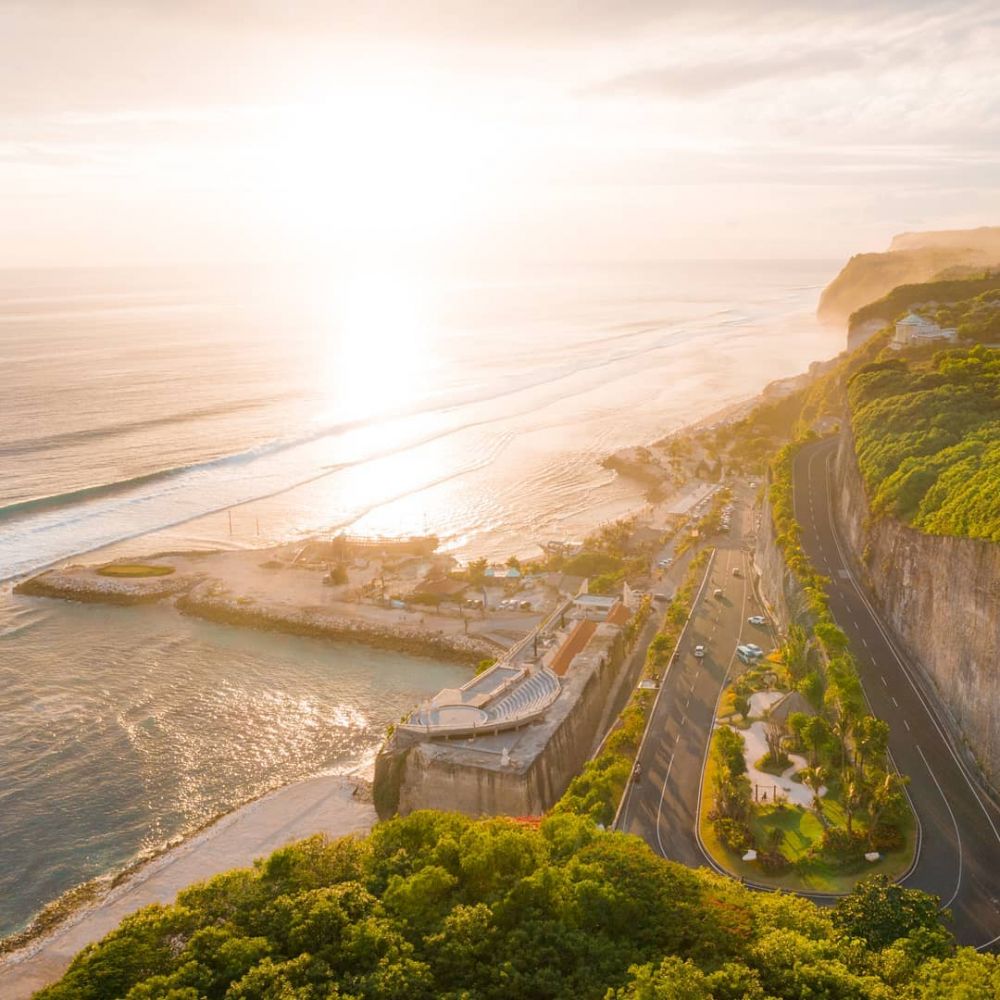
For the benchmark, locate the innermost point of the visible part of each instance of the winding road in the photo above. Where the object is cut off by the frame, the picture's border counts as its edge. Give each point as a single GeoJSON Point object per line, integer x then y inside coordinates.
{"type": "Point", "coordinates": [959, 858]}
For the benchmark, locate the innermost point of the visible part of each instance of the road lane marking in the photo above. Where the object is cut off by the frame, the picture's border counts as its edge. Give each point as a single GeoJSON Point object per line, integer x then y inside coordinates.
{"type": "Point", "coordinates": [896, 703]}
{"type": "Point", "coordinates": [926, 701]}
{"type": "Point", "coordinates": [865, 641]}
{"type": "Point", "coordinates": [905, 723]}
{"type": "Point", "coordinates": [958, 835]}
{"type": "Point", "coordinates": [883, 679]}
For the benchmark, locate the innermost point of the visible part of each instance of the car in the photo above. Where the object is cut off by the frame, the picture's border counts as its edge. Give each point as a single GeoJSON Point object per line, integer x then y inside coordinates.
{"type": "Point", "coordinates": [754, 648]}
{"type": "Point", "coordinates": [757, 620]}
{"type": "Point", "coordinates": [637, 771]}
{"type": "Point", "coordinates": [699, 651]}
{"type": "Point", "coordinates": [749, 653]}
{"type": "Point", "coordinates": [737, 571]}
{"type": "Point", "coordinates": [525, 605]}
{"type": "Point", "coordinates": [663, 563]}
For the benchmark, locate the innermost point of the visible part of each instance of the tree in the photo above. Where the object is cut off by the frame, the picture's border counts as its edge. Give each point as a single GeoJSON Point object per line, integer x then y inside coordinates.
{"type": "Point", "coordinates": [884, 797]}
{"type": "Point", "coordinates": [871, 740]}
{"type": "Point", "coordinates": [774, 734]}
{"type": "Point", "coordinates": [795, 652]}
{"type": "Point", "coordinates": [477, 570]}
{"type": "Point", "coordinates": [816, 734]}
{"type": "Point", "coordinates": [879, 911]}
{"type": "Point", "coordinates": [813, 778]}
{"type": "Point", "coordinates": [741, 704]}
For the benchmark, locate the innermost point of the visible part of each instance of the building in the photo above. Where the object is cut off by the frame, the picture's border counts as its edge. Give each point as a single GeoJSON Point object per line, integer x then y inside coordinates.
{"type": "Point", "coordinates": [913, 330]}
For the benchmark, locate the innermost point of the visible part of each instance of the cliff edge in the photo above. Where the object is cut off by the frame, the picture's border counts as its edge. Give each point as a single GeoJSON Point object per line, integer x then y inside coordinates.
{"type": "Point", "coordinates": [911, 258]}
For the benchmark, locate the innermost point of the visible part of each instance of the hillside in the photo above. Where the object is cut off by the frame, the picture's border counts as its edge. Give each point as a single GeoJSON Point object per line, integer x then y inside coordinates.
{"type": "Point", "coordinates": [438, 905]}
{"type": "Point", "coordinates": [927, 435]}
{"type": "Point", "coordinates": [912, 257]}
{"type": "Point", "coordinates": [890, 307]}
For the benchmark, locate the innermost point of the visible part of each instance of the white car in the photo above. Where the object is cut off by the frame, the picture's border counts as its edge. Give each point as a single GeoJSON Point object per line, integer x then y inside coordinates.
{"type": "Point", "coordinates": [754, 648]}
{"type": "Point", "coordinates": [699, 651]}
{"type": "Point", "coordinates": [757, 620]}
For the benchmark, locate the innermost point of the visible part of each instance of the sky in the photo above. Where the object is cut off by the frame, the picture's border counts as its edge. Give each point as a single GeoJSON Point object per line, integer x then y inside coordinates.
{"type": "Point", "coordinates": [157, 131]}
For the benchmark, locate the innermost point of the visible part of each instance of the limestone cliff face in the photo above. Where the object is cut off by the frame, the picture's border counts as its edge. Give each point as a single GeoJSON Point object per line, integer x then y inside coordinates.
{"type": "Point", "coordinates": [911, 258]}
{"type": "Point", "coordinates": [941, 595]}
{"type": "Point", "coordinates": [777, 584]}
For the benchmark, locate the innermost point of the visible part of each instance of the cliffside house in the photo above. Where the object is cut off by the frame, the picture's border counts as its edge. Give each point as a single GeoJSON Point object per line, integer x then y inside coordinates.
{"type": "Point", "coordinates": [914, 330]}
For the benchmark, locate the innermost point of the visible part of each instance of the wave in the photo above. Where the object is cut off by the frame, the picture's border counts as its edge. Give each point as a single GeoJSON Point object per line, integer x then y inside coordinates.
{"type": "Point", "coordinates": [29, 445]}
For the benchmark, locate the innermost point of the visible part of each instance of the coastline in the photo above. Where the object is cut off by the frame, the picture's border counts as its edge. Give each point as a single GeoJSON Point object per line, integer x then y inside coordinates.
{"type": "Point", "coordinates": [52, 942]}
{"type": "Point", "coordinates": [327, 804]}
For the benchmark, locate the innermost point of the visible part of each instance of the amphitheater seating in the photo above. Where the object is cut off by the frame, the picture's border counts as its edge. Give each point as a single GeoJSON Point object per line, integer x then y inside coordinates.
{"type": "Point", "coordinates": [528, 697]}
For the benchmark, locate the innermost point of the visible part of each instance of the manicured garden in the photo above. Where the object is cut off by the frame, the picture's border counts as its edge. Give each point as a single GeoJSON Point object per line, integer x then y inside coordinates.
{"type": "Point", "coordinates": [134, 571]}
{"type": "Point", "coordinates": [798, 791]}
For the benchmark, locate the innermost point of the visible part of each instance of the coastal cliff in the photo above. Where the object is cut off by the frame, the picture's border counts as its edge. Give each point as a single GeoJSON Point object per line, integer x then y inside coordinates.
{"type": "Point", "coordinates": [941, 595]}
{"type": "Point", "coordinates": [911, 258]}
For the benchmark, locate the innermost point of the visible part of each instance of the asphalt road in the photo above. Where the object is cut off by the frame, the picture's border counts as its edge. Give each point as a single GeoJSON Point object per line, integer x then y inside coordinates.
{"type": "Point", "coordinates": [959, 856]}
{"type": "Point", "coordinates": [661, 807]}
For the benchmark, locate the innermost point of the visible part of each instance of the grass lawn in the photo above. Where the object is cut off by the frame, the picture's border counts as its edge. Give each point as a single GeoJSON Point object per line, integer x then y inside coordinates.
{"type": "Point", "coordinates": [801, 829]}
{"type": "Point", "coordinates": [135, 570]}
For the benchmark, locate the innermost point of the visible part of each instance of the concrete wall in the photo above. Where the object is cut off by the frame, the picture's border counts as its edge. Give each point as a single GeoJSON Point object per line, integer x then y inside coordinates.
{"type": "Point", "coordinates": [545, 756]}
{"type": "Point", "coordinates": [941, 596]}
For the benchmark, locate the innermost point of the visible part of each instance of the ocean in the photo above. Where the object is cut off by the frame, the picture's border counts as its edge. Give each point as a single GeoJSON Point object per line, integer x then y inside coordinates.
{"type": "Point", "coordinates": [155, 409]}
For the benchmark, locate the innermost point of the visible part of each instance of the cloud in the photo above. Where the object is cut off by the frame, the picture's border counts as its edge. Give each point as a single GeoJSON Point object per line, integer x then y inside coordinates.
{"type": "Point", "coordinates": [698, 79]}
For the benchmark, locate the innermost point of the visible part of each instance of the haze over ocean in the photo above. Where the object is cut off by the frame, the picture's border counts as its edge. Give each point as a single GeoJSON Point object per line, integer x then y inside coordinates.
{"type": "Point", "coordinates": [140, 402]}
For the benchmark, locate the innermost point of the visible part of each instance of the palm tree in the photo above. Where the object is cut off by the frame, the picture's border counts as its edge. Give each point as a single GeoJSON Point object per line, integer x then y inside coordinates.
{"type": "Point", "coordinates": [813, 778]}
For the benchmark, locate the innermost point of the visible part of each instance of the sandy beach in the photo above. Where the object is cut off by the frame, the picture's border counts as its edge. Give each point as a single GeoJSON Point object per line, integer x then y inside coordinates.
{"type": "Point", "coordinates": [325, 804]}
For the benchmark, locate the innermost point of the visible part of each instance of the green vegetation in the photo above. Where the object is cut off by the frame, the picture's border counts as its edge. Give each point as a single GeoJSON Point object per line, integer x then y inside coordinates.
{"type": "Point", "coordinates": [596, 791]}
{"type": "Point", "coordinates": [135, 570]}
{"type": "Point", "coordinates": [904, 297]}
{"type": "Point", "coordinates": [927, 437]}
{"type": "Point", "coordinates": [437, 905]}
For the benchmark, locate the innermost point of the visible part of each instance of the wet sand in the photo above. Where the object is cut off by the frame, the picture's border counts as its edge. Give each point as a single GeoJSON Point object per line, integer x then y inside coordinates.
{"type": "Point", "coordinates": [325, 804]}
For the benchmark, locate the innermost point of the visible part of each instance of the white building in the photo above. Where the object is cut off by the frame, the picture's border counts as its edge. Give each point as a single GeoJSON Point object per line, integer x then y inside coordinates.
{"type": "Point", "coordinates": [915, 330]}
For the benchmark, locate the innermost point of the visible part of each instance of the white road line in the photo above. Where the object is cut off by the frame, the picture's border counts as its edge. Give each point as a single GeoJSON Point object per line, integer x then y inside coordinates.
{"type": "Point", "coordinates": [896, 703]}
{"type": "Point", "coordinates": [958, 836]}
{"type": "Point", "coordinates": [931, 713]}
{"type": "Point", "coordinates": [865, 641]}
{"type": "Point", "coordinates": [883, 679]}
{"type": "Point", "coordinates": [684, 719]}
{"type": "Point", "coordinates": [905, 723]}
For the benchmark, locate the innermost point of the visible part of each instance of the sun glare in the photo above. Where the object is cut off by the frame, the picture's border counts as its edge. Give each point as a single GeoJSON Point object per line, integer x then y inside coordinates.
{"type": "Point", "coordinates": [377, 170]}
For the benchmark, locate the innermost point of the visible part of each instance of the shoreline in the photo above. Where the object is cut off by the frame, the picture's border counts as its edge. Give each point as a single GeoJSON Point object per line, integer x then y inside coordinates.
{"type": "Point", "coordinates": [324, 803]}
{"type": "Point", "coordinates": [191, 594]}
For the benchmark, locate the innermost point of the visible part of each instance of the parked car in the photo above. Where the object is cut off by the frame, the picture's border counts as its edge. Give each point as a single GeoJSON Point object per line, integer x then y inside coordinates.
{"type": "Point", "coordinates": [737, 571]}
{"type": "Point", "coordinates": [525, 605]}
{"type": "Point", "coordinates": [749, 653]}
{"type": "Point", "coordinates": [757, 620]}
{"type": "Point", "coordinates": [717, 592]}
{"type": "Point", "coordinates": [699, 651]}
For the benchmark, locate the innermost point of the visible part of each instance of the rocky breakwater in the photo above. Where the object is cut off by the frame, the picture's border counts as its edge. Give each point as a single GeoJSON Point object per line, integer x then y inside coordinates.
{"type": "Point", "coordinates": [214, 603]}
{"type": "Point", "coordinates": [941, 595]}
{"type": "Point", "coordinates": [85, 583]}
